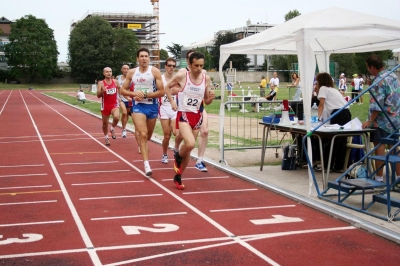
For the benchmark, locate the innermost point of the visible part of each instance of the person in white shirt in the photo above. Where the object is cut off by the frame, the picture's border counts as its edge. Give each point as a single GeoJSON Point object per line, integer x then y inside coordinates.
{"type": "Point", "coordinates": [356, 83]}
{"type": "Point", "coordinates": [360, 87]}
{"type": "Point", "coordinates": [274, 82]}
{"type": "Point", "coordinates": [81, 96]}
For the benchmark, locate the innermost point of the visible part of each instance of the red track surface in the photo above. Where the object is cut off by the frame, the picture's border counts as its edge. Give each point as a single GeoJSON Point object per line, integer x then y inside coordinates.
{"type": "Point", "coordinates": [65, 198]}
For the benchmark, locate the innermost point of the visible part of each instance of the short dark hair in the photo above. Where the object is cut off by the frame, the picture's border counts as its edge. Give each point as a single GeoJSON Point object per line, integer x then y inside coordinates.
{"type": "Point", "coordinates": [143, 49]}
{"type": "Point", "coordinates": [374, 61]}
{"type": "Point", "coordinates": [170, 59]}
{"type": "Point", "coordinates": [324, 79]}
{"type": "Point", "coordinates": [195, 55]}
{"type": "Point", "coordinates": [189, 52]}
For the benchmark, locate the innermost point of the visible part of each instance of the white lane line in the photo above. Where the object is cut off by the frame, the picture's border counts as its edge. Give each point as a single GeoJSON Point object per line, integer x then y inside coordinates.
{"type": "Point", "coordinates": [121, 197]}
{"type": "Point", "coordinates": [220, 191]}
{"type": "Point", "coordinates": [66, 135]}
{"type": "Point", "coordinates": [34, 223]}
{"type": "Point", "coordinates": [178, 198]}
{"type": "Point", "coordinates": [25, 187]}
{"type": "Point", "coordinates": [21, 255]}
{"type": "Point", "coordinates": [93, 172]}
{"type": "Point", "coordinates": [5, 103]}
{"type": "Point", "coordinates": [89, 163]}
{"type": "Point", "coordinates": [254, 208]}
{"type": "Point", "coordinates": [27, 202]}
{"type": "Point", "coordinates": [105, 183]}
{"type": "Point", "coordinates": [21, 137]}
{"type": "Point", "coordinates": [47, 140]}
{"type": "Point", "coordinates": [22, 165]}
{"type": "Point", "coordinates": [199, 178]}
{"type": "Point", "coordinates": [137, 216]}
{"type": "Point", "coordinates": [21, 175]}
{"type": "Point", "coordinates": [84, 234]}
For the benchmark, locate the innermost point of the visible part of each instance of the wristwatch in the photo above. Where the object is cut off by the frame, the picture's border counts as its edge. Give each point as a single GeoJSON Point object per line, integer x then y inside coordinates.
{"type": "Point", "coordinates": [145, 95]}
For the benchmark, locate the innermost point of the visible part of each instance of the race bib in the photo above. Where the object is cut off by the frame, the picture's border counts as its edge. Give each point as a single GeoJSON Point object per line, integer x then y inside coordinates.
{"type": "Point", "coordinates": [166, 100]}
{"type": "Point", "coordinates": [111, 91]}
{"type": "Point", "coordinates": [145, 90]}
{"type": "Point", "coordinates": [192, 102]}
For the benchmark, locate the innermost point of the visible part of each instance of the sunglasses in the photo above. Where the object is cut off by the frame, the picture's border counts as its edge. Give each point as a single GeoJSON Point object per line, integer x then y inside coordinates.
{"type": "Point", "coordinates": [171, 65]}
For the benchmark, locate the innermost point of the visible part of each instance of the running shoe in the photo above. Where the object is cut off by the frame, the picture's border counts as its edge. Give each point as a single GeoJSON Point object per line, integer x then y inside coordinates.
{"type": "Point", "coordinates": [177, 164]}
{"type": "Point", "coordinates": [107, 142]}
{"type": "Point", "coordinates": [201, 167]}
{"type": "Point", "coordinates": [164, 158]}
{"type": "Point", "coordinates": [113, 133]}
{"type": "Point", "coordinates": [124, 133]}
{"type": "Point", "coordinates": [178, 182]}
{"type": "Point", "coordinates": [147, 170]}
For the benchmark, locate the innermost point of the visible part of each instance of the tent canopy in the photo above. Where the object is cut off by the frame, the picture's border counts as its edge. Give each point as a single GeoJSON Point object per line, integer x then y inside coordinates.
{"type": "Point", "coordinates": [313, 37]}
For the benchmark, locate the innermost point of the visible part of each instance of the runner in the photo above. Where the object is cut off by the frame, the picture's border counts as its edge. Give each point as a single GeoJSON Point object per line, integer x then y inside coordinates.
{"type": "Point", "coordinates": [107, 89]}
{"type": "Point", "coordinates": [166, 114]}
{"type": "Point", "coordinates": [194, 88]}
{"type": "Point", "coordinates": [124, 102]}
{"type": "Point", "coordinates": [148, 86]}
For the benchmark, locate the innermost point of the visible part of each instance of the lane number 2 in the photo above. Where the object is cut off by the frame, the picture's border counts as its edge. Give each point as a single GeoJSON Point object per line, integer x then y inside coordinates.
{"type": "Point", "coordinates": [163, 228]}
{"type": "Point", "coordinates": [27, 238]}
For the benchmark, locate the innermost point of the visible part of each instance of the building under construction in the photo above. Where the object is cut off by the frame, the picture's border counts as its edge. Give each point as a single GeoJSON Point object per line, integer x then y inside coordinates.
{"type": "Point", "coordinates": [145, 26]}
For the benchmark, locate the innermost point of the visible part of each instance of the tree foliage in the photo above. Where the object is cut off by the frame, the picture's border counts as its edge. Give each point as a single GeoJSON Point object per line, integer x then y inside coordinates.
{"type": "Point", "coordinates": [32, 50]}
{"type": "Point", "coordinates": [163, 54]}
{"type": "Point", "coordinates": [238, 61]}
{"type": "Point", "coordinates": [94, 45]}
{"type": "Point", "coordinates": [292, 14]}
{"type": "Point", "coordinates": [175, 50]}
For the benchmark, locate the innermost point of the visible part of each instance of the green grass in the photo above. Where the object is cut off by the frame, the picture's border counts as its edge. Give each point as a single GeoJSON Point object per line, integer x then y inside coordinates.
{"type": "Point", "coordinates": [4, 86]}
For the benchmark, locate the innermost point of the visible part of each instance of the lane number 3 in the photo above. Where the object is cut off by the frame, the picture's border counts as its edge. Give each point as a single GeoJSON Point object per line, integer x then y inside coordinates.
{"type": "Point", "coordinates": [27, 238]}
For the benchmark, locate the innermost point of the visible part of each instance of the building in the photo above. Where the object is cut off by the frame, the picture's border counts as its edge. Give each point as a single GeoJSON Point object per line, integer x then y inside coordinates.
{"type": "Point", "coordinates": [5, 30]}
{"type": "Point", "coordinates": [256, 61]}
{"type": "Point", "coordinates": [145, 26]}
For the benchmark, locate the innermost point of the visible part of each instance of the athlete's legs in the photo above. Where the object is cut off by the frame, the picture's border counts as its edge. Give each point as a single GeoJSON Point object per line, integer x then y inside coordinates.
{"type": "Point", "coordinates": [115, 115]}
{"type": "Point", "coordinates": [203, 140]}
{"type": "Point", "coordinates": [124, 114]}
{"type": "Point", "coordinates": [136, 132]}
{"type": "Point", "coordinates": [189, 137]}
{"type": "Point", "coordinates": [166, 127]}
{"type": "Point", "coordinates": [104, 118]}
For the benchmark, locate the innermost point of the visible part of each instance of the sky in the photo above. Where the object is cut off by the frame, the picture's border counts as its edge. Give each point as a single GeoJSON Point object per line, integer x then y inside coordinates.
{"type": "Point", "coordinates": [185, 21]}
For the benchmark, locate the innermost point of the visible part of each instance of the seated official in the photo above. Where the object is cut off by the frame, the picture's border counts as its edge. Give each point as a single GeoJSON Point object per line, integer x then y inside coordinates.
{"type": "Point", "coordinates": [271, 96]}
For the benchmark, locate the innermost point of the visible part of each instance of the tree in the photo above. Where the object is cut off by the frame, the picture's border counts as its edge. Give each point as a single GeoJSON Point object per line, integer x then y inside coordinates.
{"type": "Point", "coordinates": [32, 50]}
{"type": "Point", "coordinates": [175, 50]}
{"type": "Point", "coordinates": [292, 14]}
{"type": "Point", "coordinates": [238, 61]}
{"type": "Point", "coordinates": [163, 54]}
{"type": "Point", "coordinates": [94, 45]}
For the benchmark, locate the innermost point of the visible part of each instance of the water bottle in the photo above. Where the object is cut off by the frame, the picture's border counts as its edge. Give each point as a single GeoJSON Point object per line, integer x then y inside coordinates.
{"type": "Point", "coordinates": [314, 114]}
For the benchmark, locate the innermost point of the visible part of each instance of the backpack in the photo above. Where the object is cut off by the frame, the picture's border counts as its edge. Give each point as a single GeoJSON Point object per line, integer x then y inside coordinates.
{"type": "Point", "coordinates": [289, 158]}
{"type": "Point", "coordinates": [359, 171]}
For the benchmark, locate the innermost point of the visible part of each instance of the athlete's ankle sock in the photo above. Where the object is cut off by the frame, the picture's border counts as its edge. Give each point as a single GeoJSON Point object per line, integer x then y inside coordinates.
{"type": "Point", "coordinates": [146, 163]}
{"type": "Point", "coordinates": [176, 150]}
{"type": "Point", "coordinates": [199, 160]}
{"type": "Point", "coordinates": [106, 136]}
{"type": "Point", "coordinates": [112, 128]}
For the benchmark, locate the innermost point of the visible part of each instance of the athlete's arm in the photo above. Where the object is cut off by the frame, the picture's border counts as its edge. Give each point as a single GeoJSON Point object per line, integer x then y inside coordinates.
{"type": "Point", "coordinates": [159, 83]}
{"type": "Point", "coordinates": [209, 94]}
{"type": "Point", "coordinates": [137, 95]}
{"type": "Point", "coordinates": [100, 89]}
{"type": "Point", "coordinates": [174, 82]}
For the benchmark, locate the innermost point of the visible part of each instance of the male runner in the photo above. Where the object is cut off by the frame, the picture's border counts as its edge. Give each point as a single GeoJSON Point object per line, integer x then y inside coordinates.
{"type": "Point", "coordinates": [166, 114]}
{"type": "Point", "coordinates": [107, 89]}
{"type": "Point", "coordinates": [194, 88]}
{"type": "Point", "coordinates": [148, 86]}
{"type": "Point", "coordinates": [203, 140]}
{"type": "Point", "coordinates": [125, 102]}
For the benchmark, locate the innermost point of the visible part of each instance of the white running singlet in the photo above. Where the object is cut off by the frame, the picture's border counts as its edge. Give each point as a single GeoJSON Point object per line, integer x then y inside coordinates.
{"type": "Point", "coordinates": [191, 97]}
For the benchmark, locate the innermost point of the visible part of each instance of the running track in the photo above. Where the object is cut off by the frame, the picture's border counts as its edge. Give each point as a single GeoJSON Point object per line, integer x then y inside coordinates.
{"type": "Point", "coordinates": [66, 199]}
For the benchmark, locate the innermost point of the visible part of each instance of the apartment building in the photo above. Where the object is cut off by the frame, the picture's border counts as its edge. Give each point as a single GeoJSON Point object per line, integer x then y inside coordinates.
{"type": "Point", "coordinates": [5, 29]}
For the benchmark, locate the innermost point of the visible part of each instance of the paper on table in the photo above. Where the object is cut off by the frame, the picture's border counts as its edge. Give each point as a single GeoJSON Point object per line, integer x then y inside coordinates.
{"type": "Point", "coordinates": [353, 124]}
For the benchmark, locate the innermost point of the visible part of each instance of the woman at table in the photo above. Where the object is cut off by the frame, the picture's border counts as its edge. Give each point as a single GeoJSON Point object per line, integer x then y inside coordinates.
{"type": "Point", "coordinates": [296, 84]}
{"type": "Point", "coordinates": [330, 101]}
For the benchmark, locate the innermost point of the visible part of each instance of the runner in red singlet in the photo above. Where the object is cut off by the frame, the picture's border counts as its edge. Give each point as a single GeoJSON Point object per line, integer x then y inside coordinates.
{"type": "Point", "coordinates": [107, 90]}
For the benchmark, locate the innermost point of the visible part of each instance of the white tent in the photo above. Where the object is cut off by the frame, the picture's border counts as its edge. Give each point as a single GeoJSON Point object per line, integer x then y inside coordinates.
{"type": "Point", "coordinates": [314, 37]}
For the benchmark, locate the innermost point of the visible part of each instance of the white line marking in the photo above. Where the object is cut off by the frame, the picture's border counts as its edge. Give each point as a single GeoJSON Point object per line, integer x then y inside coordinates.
{"type": "Point", "coordinates": [5, 102]}
{"type": "Point", "coordinates": [119, 197]}
{"type": "Point", "coordinates": [86, 239]}
{"type": "Point", "coordinates": [25, 187]}
{"type": "Point", "coordinates": [20, 137]}
{"type": "Point", "coordinates": [21, 175]}
{"type": "Point", "coordinates": [68, 251]}
{"type": "Point", "coordinates": [253, 208]}
{"type": "Point", "coordinates": [47, 140]}
{"type": "Point", "coordinates": [28, 202]}
{"type": "Point", "coordinates": [137, 216]}
{"type": "Point", "coordinates": [92, 172]}
{"type": "Point", "coordinates": [220, 191]}
{"type": "Point", "coordinates": [105, 183]}
{"type": "Point", "coordinates": [22, 165]}
{"type": "Point", "coordinates": [199, 178]}
{"type": "Point", "coordinates": [34, 223]}
{"type": "Point", "coordinates": [89, 163]}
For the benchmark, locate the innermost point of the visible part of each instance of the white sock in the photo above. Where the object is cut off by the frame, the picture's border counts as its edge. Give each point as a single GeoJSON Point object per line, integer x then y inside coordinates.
{"type": "Point", "coordinates": [397, 177]}
{"type": "Point", "coordinates": [199, 160]}
{"type": "Point", "coordinates": [112, 128]}
{"type": "Point", "coordinates": [106, 136]}
{"type": "Point", "coordinates": [146, 163]}
{"type": "Point", "coordinates": [379, 178]}
{"type": "Point", "coordinates": [176, 150]}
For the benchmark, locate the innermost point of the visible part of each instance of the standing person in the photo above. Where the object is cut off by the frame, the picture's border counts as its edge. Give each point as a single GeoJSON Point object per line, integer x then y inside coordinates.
{"type": "Point", "coordinates": [107, 90]}
{"type": "Point", "coordinates": [81, 96]}
{"type": "Point", "coordinates": [387, 94]}
{"type": "Point", "coordinates": [148, 86]}
{"type": "Point", "coordinates": [360, 88]}
{"type": "Point", "coordinates": [263, 85]}
{"type": "Point", "coordinates": [330, 101]}
{"type": "Point", "coordinates": [342, 82]}
{"type": "Point", "coordinates": [296, 84]}
{"type": "Point", "coordinates": [274, 82]}
{"type": "Point", "coordinates": [166, 114]}
{"type": "Point", "coordinates": [125, 102]}
{"type": "Point", "coordinates": [194, 89]}
{"type": "Point", "coordinates": [356, 85]}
